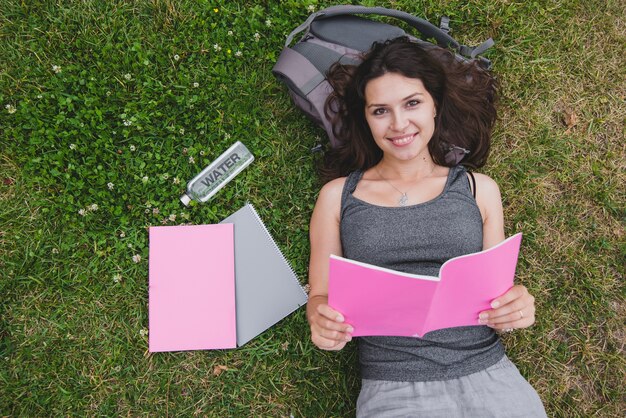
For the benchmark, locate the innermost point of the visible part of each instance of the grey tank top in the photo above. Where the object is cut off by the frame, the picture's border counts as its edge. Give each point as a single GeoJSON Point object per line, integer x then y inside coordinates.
{"type": "Point", "coordinates": [418, 239]}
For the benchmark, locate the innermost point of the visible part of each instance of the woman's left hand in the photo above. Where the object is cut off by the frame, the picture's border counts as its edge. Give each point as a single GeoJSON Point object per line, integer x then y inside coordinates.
{"type": "Point", "coordinates": [514, 309]}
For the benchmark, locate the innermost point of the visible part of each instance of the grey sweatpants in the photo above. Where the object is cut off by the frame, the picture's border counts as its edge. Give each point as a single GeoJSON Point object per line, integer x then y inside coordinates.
{"type": "Point", "coordinates": [498, 391]}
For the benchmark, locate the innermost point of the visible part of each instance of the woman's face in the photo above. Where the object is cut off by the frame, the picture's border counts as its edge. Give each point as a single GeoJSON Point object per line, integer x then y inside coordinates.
{"type": "Point", "coordinates": [401, 115]}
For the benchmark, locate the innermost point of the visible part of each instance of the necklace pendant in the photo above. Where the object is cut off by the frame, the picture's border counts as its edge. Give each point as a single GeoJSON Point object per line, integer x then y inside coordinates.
{"type": "Point", "coordinates": [404, 200]}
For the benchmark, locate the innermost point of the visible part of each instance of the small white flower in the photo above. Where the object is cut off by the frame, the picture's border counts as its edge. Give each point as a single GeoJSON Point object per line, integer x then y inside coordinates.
{"type": "Point", "coordinates": [202, 132]}
{"type": "Point", "coordinates": [144, 179]}
{"type": "Point", "coordinates": [110, 185]}
{"type": "Point", "coordinates": [268, 23]}
{"type": "Point", "coordinates": [132, 148]}
{"type": "Point", "coordinates": [82, 212]}
{"type": "Point", "coordinates": [182, 131]}
{"type": "Point", "coordinates": [172, 217]}
{"type": "Point", "coordinates": [227, 136]}
{"type": "Point", "coordinates": [143, 332]}
{"type": "Point", "coordinates": [72, 146]}
{"type": "Point", "coordinates": [56, 69]}
{"type": "Point", "coordinates": [196, 84]}
{"type": "Point", "coordinates": [93, 207]}
{"type": "Point", "coordinates": [128, 77]}
{"type": "Point", "coordinates": [129, 245]}
{"type": "Point", "coordinates": [127, 122]}
{"type": "Point", "coordinates": [176, 57]}
{"type": "Point", "coordinates": [136, 258]}
{"type": "Point", "coordinates": [311, 8]}
{"type": "Point", "coordinates": [217, 47]}
{"type": "Point", "coordinates": [122, 234]}
{"type": "Point", "coordinates": [238, 53]}
{"type": "Point", "coordinates": [202, 153]}
{"type": "Point", "coordinates": [117, 278]}
{"type": "Point", "coordinates": [108, 93]}
{"type": "Point", "coordinates": [55, 251]}
{"type": "Point", "coordinates": [155, 211]}
{"type": "Point", "coordinates": [257, 36]}
{"type": "Point", "coordinates": [148, 204]}
{"type": "Point", "coordinates": [146, 211]}
{"type": "Point", "coordinates": [230, 33]}
{"type": "Point", "coordinates": [191, 160]}
{"type": "Point", "coordinates": [176, 180]}
{"type": "Point", "coordinates": [10, 108]}
{"type": "Point", "coordinates": [39, 96]}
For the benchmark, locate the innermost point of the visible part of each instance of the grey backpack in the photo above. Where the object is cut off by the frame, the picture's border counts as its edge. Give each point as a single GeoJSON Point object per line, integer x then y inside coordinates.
{"type": "Point", "coordinates": [335, 35]}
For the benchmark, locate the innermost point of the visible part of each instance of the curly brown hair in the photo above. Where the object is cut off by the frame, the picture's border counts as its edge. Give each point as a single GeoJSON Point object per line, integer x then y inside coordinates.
{"type": "Point", "coordinates": [464, 95]}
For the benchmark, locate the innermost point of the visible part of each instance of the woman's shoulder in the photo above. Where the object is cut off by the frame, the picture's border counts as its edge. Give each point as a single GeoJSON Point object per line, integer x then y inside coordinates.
{"type": "Point", "coordinates": [485, 184]}
{"type": "Point", "coordinates": [328, 202]}
{"type": "Point", "coordinates": [487, 195]}
{"type": "Point", "coordinates": [333, 187]}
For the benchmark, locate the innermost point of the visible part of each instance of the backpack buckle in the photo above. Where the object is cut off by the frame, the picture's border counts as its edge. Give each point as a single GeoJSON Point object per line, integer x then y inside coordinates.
{"type": "Point", "coordinates": [444, 24]}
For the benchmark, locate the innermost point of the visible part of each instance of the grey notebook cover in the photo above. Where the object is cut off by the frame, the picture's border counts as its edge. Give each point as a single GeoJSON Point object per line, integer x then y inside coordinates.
{"type": "Point", "coordinates": [266, 287]}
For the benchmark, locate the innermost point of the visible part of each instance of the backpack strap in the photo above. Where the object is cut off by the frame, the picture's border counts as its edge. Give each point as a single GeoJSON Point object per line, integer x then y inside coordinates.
{"type": "Point", "coordinates": [476, 51]}
{"type": "Point", "coordinates": [444, 24]}
{"type": "Point", "coordinates": [423, 26]}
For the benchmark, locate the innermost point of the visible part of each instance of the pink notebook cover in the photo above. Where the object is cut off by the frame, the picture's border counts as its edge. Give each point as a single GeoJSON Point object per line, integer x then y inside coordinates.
{"type": "Point", "coordinates": [379, 301]}
{"type": "Point", "coordinates": [191, 288]}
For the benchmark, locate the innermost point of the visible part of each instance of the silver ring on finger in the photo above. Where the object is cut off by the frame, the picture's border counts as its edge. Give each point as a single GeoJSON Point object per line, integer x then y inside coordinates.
{"type": "Point", "coordinates": [521, 315]}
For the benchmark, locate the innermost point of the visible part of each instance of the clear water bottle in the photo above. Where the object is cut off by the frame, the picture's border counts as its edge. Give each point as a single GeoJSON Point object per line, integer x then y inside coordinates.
{"type": "Point", "coordinates": [215, 176]}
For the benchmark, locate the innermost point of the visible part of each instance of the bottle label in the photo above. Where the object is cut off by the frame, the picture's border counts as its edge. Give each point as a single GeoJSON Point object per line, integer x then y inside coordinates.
{"type": "Point", "coordinates": [219, 172]}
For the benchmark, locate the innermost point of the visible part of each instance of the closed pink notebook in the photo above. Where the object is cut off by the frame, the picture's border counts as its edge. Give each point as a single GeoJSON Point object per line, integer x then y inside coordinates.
{"type": "Point", "coordinates": [191, 288]}
{"type": "Point", "coordinates": [379, 301]}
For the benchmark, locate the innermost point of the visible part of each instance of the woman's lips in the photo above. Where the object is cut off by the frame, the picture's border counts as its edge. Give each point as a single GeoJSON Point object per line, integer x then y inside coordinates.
{"type": "Point", "coordinates": [402, 140]}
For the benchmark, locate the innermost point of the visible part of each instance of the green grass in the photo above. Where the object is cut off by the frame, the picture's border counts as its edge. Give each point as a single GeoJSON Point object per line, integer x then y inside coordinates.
{"type": "Point", "coordinates": [149, 92]}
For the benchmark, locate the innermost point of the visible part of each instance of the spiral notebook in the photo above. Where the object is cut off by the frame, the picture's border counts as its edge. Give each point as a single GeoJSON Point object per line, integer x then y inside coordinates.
{"type": "Point", "coordinates": [266, 287]}
{"type": "Point", "coordinates": [217, 286]}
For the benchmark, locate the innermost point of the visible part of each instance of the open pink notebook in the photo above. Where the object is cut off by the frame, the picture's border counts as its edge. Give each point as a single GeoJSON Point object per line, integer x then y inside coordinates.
{"type": "Point", "coordinates": [192, 288]}
{"type": "Point", "coordinates": [379, 301]}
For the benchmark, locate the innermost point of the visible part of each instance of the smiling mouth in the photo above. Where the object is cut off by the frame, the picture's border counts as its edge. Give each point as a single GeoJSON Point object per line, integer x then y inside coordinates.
{"type": "Point", "coordinates": [402, 140]}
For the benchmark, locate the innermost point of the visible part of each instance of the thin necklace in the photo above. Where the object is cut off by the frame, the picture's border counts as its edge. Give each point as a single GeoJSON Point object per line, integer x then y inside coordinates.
{"type": "Point", "coordinates": [404, 199]}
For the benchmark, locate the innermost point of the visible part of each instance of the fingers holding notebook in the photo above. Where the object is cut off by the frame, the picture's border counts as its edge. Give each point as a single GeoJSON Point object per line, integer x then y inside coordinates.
{"type": "Point", "coordinates": [328, 330]}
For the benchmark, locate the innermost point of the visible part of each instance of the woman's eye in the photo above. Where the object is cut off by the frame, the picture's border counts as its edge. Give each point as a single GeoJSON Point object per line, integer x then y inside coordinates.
{"type": "Point", "coordinates": [378, 112]}
{"type": "Point", "coordinates": [413, 103]}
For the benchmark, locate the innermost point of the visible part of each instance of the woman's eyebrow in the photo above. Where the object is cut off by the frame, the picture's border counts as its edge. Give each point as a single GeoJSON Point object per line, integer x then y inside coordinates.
{"type": "Point", "coordinates": [402, 100]}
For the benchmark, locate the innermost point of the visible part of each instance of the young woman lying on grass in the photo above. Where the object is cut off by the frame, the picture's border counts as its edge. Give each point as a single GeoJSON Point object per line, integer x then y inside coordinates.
{"type": "Point", "coordinates": [399, 196]}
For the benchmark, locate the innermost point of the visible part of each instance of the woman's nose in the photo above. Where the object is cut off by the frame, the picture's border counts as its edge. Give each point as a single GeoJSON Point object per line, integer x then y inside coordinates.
{"type": "Point", "coordinates": [399, 121]}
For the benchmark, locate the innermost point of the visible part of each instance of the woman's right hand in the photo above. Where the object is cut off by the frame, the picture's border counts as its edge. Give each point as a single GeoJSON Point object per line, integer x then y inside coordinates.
{"type": "Point", "coordinates": [328, 330]}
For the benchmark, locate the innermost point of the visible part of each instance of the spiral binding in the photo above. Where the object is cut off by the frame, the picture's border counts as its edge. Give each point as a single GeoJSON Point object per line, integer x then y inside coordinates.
{"type": "Point", "coordinates": [258, 218]}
